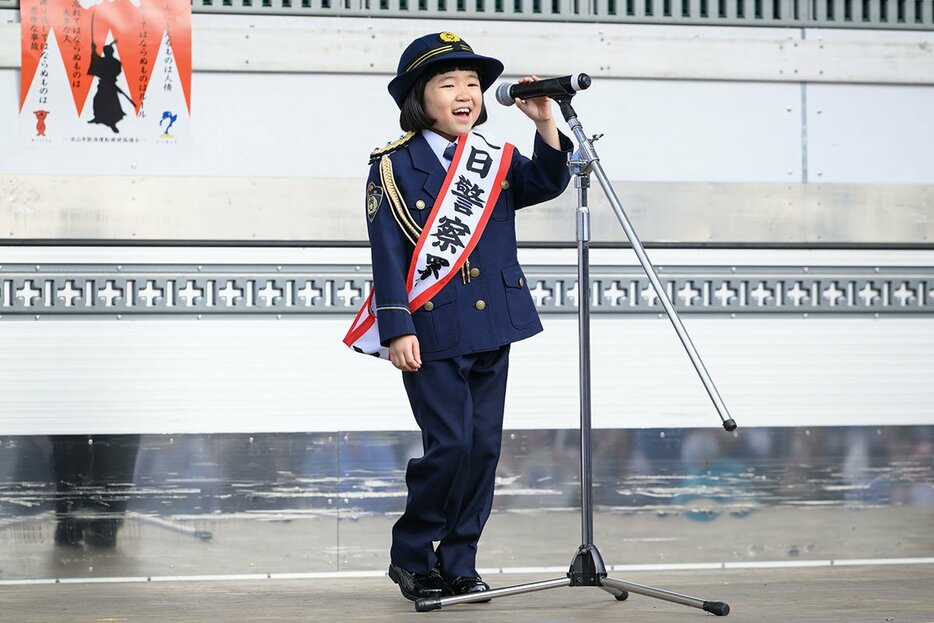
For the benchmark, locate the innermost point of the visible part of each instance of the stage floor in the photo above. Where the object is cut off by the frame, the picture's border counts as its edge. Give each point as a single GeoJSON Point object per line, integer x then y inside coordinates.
{"type": "Point", "coordinates": [871, 594]}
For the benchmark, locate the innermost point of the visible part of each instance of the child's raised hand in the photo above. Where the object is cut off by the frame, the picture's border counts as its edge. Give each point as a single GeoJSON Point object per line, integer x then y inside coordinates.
{"type": "Point", "coordinates": [538, 109]}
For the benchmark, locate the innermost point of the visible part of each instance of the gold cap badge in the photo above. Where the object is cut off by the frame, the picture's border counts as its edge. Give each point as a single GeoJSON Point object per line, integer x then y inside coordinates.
{"type": "Point", "coordinates": [449, 37]}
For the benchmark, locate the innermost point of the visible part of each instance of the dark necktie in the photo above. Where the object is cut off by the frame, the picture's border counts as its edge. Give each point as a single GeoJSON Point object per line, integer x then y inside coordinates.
{"type": "Point", "coordinates": [449, 152]}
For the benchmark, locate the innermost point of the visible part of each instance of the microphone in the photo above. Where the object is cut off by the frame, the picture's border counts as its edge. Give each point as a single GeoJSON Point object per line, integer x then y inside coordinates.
{"type": "Point", "coordinates": [549, 87]}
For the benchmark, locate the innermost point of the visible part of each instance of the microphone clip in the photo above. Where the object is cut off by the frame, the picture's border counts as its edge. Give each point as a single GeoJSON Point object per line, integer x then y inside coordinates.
{"type": "Point", "coordinates": [564, 104]}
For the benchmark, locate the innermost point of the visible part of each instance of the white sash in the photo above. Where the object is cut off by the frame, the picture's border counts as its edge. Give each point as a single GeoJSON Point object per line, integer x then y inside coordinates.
{"type": "Point", "coordinates": [461, 211]}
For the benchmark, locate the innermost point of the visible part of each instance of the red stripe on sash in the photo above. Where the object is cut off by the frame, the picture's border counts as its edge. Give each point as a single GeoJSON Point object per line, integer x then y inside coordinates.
{"type": "Point", "coordinates": [357, 331]}
{"type": "Point", "coordinates": [504, 164]}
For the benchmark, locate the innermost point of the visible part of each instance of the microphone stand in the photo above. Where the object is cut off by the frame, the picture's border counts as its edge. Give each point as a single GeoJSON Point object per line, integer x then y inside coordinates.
{"type": "Point", "coordinates": [587, 567]}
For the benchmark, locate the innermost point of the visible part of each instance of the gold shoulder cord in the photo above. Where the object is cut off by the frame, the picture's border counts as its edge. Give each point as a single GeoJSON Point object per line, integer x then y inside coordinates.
{"type": "Point", "coordinates": [399, 211]}
{"type": "Point", "coordinates": [391, 147]}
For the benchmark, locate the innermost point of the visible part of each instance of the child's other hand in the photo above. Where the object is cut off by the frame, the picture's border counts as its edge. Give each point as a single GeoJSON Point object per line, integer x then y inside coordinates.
{"type": "Point", "coordinates": [538, 109]}
{"type": "Point", "coordinates": [404, 353]}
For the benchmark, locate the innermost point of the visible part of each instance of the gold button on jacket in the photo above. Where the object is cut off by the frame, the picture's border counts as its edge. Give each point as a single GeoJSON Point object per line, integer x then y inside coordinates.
{"type": "Point", "coordinates": [474, 272]}
{"type": "Point", "coordinates": [420, 205]}
{"type": "Point", "coordinates": [481, 304]}
{"type": "Point", "coordinates": [429, 306]}
{"type": "Point", "coordinates": [505, 184]}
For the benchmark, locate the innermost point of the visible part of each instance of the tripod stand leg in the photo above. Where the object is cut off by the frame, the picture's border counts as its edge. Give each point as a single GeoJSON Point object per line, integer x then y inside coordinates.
{"type": "Point", "coordinates": [620, 595]}
{"type": "Point", "coordinates": [436, 603]}
{"type": "Point", "coordinates": [718, 608]}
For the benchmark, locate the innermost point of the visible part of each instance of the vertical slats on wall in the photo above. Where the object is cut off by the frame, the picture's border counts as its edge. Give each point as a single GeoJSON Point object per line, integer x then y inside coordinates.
{"type": "Point", "coordinates": [914, 14]}
{"type": "Point", "coordinates": [841, 10]}
{"type": "Point", "coordinates": [770, 9]}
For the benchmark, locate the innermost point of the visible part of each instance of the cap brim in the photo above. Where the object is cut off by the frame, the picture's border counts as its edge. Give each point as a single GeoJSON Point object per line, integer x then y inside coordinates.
{"type": "Point", "coordinates": [488, 68]}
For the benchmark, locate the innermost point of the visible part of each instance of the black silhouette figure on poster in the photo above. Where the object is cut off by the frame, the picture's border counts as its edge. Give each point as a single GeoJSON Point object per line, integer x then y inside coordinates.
{"type": "Point", "coordinates": [107, 109]}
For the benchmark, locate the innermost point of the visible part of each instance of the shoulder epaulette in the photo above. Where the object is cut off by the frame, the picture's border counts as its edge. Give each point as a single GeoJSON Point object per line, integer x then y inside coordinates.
{"type": "Point", "coordinates": [379, 152]}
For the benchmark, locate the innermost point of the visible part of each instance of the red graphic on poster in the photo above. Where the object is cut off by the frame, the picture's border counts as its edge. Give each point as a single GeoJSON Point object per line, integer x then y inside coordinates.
{"type": "Point", "coordinates": [40, 121]}
{"type": "Point", "coordinates": [81, 28]}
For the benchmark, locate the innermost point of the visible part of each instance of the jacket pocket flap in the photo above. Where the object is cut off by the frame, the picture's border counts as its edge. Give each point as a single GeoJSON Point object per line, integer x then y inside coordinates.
{"type": "Point", "coordinates": [513, 277]}
{"type": "Point", "coordinates": [444, 296]}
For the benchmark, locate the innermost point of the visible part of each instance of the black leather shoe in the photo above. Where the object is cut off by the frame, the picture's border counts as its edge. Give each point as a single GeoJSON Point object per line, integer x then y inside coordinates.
{"type": "Point", "coordinates": [416, 586]}
{"type": "Point", "coordinates": [465, 585]}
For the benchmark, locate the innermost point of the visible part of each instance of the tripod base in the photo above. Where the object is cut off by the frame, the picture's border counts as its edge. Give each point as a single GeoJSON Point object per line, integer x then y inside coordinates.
{"type": "Point", "coordinates": [587, 569]}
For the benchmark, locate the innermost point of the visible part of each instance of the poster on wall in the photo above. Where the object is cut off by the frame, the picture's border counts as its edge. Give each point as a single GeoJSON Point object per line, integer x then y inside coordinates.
{"type": "Point", "coordinates": [105, 71]}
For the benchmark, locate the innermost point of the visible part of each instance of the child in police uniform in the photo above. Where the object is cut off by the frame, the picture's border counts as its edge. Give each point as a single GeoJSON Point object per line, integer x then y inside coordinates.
{"type": "Point", "coordinates": [449, 295]}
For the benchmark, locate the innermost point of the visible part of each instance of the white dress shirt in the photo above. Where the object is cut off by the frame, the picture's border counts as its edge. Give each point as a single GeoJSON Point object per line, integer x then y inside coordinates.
{"type": "Point", "coordinates": [438, 144]}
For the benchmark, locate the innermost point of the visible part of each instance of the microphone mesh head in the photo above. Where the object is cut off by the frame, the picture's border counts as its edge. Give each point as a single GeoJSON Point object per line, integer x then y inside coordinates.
{"type": "Point", "coordinates": [502, 94]}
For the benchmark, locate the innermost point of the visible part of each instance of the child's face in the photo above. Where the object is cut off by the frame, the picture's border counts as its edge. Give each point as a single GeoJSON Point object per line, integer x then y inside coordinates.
{"type": "Point", "coordinates": [454, 99]}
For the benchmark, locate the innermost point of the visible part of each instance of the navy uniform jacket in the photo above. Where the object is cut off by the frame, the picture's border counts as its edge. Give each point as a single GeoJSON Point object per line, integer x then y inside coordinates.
{"type": "Point", "coordinates": [495, 307]}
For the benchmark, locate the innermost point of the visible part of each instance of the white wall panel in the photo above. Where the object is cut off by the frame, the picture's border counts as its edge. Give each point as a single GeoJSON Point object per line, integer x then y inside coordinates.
{"type": "Point", "coordinates": [870, 134]}
{"type": "Point", "coordinates": [695, 131]}
{"type": "Point", "coordinates": [264, 375]}
{"type": "Point", "coordinates": [324, 125]}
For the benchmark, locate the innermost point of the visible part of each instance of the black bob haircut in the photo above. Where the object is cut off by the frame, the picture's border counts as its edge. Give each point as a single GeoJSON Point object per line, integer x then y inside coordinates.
{"type": "Point", "coordinates": [412, 116]}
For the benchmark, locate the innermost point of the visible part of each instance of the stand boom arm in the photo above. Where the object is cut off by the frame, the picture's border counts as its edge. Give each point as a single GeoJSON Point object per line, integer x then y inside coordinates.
{"type": "Point", "coordinates": [588, 157]}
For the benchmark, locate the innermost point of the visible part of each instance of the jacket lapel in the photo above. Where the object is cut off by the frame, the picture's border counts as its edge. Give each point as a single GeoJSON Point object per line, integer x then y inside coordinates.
{"type": "Point", "coordinates": [425, 160]}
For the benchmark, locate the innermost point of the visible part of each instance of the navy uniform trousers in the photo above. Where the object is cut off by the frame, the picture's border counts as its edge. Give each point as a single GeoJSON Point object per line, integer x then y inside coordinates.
{"type": "Point", "coordinates": [464, 334]}
{"type": "Point", "coordinates": [458, 404]}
